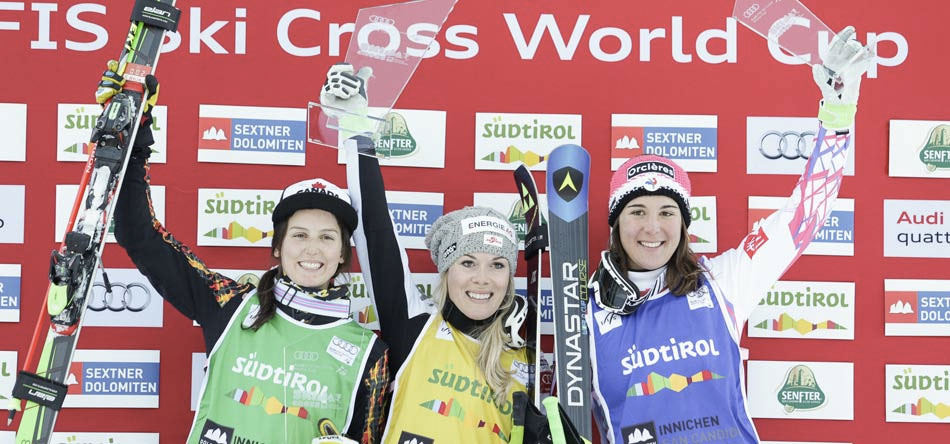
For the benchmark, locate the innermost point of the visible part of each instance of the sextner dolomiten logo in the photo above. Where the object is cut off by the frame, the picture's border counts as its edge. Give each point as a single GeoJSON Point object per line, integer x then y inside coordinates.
{"type": "Point", "coordinates": [800, 391]}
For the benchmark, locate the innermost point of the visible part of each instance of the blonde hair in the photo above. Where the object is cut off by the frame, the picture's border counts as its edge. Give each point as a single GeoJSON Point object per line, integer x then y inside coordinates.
{"type": "Point", "coordinates": [493, 339]}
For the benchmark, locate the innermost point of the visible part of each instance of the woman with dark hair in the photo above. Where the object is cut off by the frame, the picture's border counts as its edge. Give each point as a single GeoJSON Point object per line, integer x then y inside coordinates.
{"type": "Point", "coordinates": [665, 326]}
{"type": "Point", "coordinates": [286, 363]}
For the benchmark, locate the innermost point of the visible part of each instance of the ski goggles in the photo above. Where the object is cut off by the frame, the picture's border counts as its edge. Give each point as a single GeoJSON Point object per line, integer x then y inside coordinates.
{"type": "Point", "coordinates": [615, 293]}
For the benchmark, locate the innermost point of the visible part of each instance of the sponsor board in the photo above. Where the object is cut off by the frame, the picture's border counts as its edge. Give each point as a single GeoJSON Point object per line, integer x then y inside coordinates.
{"type": "Point", "coordinates": [836, 237]}
{"type": "Point", "coordinates": [8, 370]}
{"type": "Point", "coordinates": [132, 303]}
{"type": "Point", "coordinates": [413, 214]}
{"type": "Point", "coordinates": [509, 204]}
{"type": "Point", "coordinates": [10, 280]}
{"type": "Point", "coordinates": [546, 324]}
{"type": "Point", "coordinates": [505, 140]}
{"type": "Point", "coordinates": [703, 237]}
{"type": "Point", "coordinates": [66, 196]}
{"type": "Point", "coordinates": [917, 393]}
{"type": "Point", "coordinates": [690, 140]}
{"type": "Point", "coordinates": [418, 139]}
{"type": "Point", "coordinates": [801, 390]}
{"type": "Point", "coordinates": [11, 213]}
{"type": "Point", "coordinates": [113, 379]}
{"type": "Point", "coordinates": [916, 228]}
{"type": "Point", "coordinates": [805, 310]}
{"type": "Point", "coordinates": [916, 307]}
{"type": "Point", "coordinates": [252, 134]}
{"type": "Point", "coordinates": [361, 304]}
{"type": "Point", "coordinates": [74, 124]}
{"type": "Point", "coordinates": [13, 128]}
{"type": "Point", "coordinates": [236, 218]}
{"type": "Point", "coordinates": [199, 367]}
{"type": "Point", "coordinates": [781, 145]}
{"type": "Point", "coordinates": [919, 148]}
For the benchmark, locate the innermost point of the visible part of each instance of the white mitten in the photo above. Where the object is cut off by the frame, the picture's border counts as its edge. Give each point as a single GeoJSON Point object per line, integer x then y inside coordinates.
{"type": "Point", "coordinates": [839, 79]}
{"type": "Point", "coordinates": [344, 95]}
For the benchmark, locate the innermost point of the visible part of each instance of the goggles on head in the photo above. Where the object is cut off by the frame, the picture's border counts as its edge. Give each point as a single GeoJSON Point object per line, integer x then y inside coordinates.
{"type": "Point", "coordinates": [615, 292]}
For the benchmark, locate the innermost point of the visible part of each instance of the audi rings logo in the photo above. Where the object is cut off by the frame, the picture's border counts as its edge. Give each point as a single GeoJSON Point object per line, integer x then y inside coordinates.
{"type": "Point", "coordinates": [748, 13]}
{"type": "Point", "coordinates": [789, 144]}
{"type": "Point", "coordinates": [133, 297]}
{"type": "Point", "coordinates": [2, 223]}
{"type": "Point", "coordinates": [305, 355]}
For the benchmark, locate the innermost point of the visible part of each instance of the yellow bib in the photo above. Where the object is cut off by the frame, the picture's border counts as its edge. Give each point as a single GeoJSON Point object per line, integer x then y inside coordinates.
{"type": "Point", "coordinates": [440, 395]}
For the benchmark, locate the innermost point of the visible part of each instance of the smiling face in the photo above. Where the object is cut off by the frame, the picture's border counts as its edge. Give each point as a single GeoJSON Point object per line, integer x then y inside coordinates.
{"type": "Point", "coordinates": [477, 284]}
{"type": "Point", "coordinates": [312, 249]}
{"type": "Point", "coordinates": [650, 231]}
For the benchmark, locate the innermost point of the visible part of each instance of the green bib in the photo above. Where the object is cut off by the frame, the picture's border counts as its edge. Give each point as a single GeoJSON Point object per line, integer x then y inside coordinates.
{"type": "Point", "coordinates": [286, 382]}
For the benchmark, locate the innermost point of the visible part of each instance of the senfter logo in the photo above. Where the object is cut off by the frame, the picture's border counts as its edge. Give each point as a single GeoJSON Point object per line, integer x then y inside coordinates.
{"type": "Point", "coordinates": [801, 390]}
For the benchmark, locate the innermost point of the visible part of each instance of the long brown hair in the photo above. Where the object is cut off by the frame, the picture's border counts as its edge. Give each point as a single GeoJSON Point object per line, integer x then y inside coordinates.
{"type": "Point", "coordinates": [683, 272]}
{"type": "Point", "coordinates": [265, 289]}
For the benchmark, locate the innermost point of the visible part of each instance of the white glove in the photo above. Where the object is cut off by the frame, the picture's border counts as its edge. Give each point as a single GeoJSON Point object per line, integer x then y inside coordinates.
{"type": "Point", "coordinates": [333, 439]}
{"type": "Point", "coordinates": [345, 96]}
{"type": "Point", "coordinates": [839, 78]}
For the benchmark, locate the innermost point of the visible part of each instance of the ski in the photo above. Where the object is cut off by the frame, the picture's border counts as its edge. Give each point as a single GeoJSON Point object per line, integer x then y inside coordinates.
{"type": "Point", "coordinates": [73, 265]}
{"type": "Point", "coordinates": [567, 190]}
{"type": "Point", "coordinates": [535, 241]}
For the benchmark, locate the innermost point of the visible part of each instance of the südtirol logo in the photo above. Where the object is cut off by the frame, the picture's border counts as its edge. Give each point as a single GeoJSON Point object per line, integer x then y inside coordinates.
{"type": "Point", "coordinates": [644, 433]}
{"type": "Point", "coordinates": [918, 393]}
{"type": "Point", "coordinates": [250, 205]}
{"type": "Point", "coordinates": [936, 152]}
{"type": "Point", "coordinates": [504, 140]}
{"type": "Point", "coordinates": [399, 143]}
{"type": "Point", "coordinates": [801, 390]}
{"type": "Point", "coordinates": [798, 309]}
{"type": "Point", "coordinates": [518, 219]}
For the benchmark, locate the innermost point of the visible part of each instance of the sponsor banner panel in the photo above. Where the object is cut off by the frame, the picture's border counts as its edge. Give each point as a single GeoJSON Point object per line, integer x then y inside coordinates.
{"type": "Point", "coordinates": [133, 302]}
{"type": "Point", "coordinates": [781, 145]}
{"type": "Point", "coordinates": [801, 390]}
{"type": "Point", "coordinates": [505, 140]}
{"type": "Point", "coordinates": [199, 366]}
{"type": "Point", "coordinates": [74, 124]}
{"type": "Point", "coordinates": [916, 307]}
{"type": "Point", "coordinates": [690, 140]}
{"type": "Point", "coordinates": [9, 366]}
{"type": "Point", "coordinates": [236, 217]}
{"type": "Point", "coordinates": [917, 393]}
{"type": "Point", "coordinates": [546, 325]}
{"type": "Point", "coordinates": [919, 148]}
{"type": "Point", "coordinates": [805, 310]}
{"type": "Point", "coordinates": [252, 134]}
{"type": "Point", "coordinates": [10, 280]}
{"type": "Point", "coordinates": [509, 204]}
{"type": "Point", "coordinates": [916, 228]}
{"type": "Point", "coordinates": [836, 237]}
{"type": "Point", "coordinates": [13, 128]}
{"type": "Point", "coordinates": [66, 196]}
{"type": "Point", "coordinates": [11, 213]}
{"type": "Point", "coordinates": [413, 213]}
{"type": "Point", "coordinates": [113, 379]}
{"type": "Point", "coordinates": [418, 139]}
{"type": "Point", "coordinates": [703, 237]}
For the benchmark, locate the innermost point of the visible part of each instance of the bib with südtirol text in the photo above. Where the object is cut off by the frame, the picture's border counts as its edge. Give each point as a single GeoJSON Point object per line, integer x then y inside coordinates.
{"type": "Point", "coordinates": [440, 393]}
{"type": "Point", "coordinates": [286, 382]}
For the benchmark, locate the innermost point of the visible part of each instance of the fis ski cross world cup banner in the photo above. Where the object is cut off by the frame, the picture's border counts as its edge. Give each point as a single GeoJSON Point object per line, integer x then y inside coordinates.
{"type": "Point", "coordinates": [801, 390]}
{"type": "Point", "coordinates": [690, 140]}
{"type": "Point", "coordinates": [916, 307]}
{"type": "Point", "coordinates": [919, 148]}
{"type": "Point", "coordinates": [113, 379]}
{"type": "Point", "coordinates": [805, 310]}
{"type": "Point", "coordinates": [10, 292]}
{"type": "Point", "coordinates": [703, 237]}
{"type": "Point", "coordinates": [503, 140]}
{"type": "Point", "coordinates": [75, 121]}
{"type": "Point", "coordinates": [417, 140]}
{"type": "Point", "coordinates": [413, 214]}
{"type": "Point", "coordinates": [782, 145]}
{"type": "Point", "coordinates": [917, 393]}
{"type": "Point", "coordinates": [836, 237]}
{"type": "Point", "coordinates": [66, 195]}
{"type": "Point", "coordinates": [236, 218]}
{"type": "Point", "coordinates": [254, 135]}
{"type": "Point", "coordinates": [13, 128]}
{"type": "Point", "coordinates": [916, 228]}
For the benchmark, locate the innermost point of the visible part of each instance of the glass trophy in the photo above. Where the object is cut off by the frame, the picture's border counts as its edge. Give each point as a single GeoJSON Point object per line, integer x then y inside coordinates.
{"type": "Point", "coordinates": [388, 42]}
{"type": "Point", "coordinates": [787, 23]}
